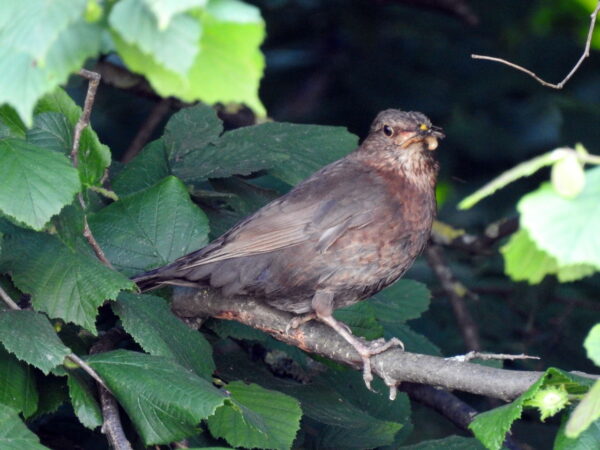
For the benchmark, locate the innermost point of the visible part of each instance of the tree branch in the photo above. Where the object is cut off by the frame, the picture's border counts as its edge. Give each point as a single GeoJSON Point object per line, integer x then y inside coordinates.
{"type": "Point", "coordinates": [584, 55]}
{"type": "Point", "coordinates": [315, 337]}
{"type": "Point", "coordinates": [111, 426]}
{"type": "Point", "coordinates": [456, 292]}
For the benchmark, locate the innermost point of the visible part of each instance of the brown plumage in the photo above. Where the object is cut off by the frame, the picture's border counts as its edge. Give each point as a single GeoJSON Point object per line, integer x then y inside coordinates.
{"type": "Point", "coordinates": [340, 236]}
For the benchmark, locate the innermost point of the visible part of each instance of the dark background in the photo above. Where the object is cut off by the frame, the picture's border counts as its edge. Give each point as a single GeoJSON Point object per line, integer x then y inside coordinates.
{"type": "Point", "coordinates": [339, 62]}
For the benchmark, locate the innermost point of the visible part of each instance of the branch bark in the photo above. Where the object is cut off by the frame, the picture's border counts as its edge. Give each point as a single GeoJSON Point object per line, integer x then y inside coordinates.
{"type": "Point", "coordinates": [315, 337]}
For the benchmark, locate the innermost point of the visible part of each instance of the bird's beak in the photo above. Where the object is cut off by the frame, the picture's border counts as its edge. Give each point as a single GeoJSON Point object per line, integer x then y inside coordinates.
{"type": "Point", "coordinates": [431, 136]}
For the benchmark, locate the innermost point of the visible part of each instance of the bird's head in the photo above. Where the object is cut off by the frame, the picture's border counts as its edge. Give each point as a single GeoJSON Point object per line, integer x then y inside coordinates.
{"type": "Point", "coordinates": [401, 130]}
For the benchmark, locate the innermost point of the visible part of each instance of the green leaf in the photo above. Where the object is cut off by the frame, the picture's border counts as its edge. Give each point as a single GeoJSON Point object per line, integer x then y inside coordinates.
{"type": "Point", "coordinates": [565, 228]}
{"type": "Point", "coordinates": [196, 152]}
{"type": "Point", "coordinates": [524, 261]}
{"type": "Point", "coordinates": [256, 417]}
{"type": "Point", "coordinates": [150, 166]}
{"type": "Point", "coordinates": [94, 157]}
{"type": "Point", "coordinates": [11, 124]}
{"type": "Point", "coordinates": [310, 146]}
{"type": "Point", "coordinates": [173, 43]}
{"type": "Point", "coordinates": [149, 320]}
{"type": "Point", "coordinates": [36, 183]}
{"type": "Point", "coordinates": [14, 435]}
{"type": "Point", "coordinates": [164, 10]}
{"type": "Point", "coordinates": [229, 66]}
{"type": "Point", "coordinates": [490, 427]}
{"type": "Point", "coordinates": [84, 402]}
{"type": "Point", "coordinates": [448, 443]}
{"type": "Point", "coordinates": [52, 131]}
{"type": "Point", "coordinates": [360, 317]}
{"type": "Point", "coordinates": [585, 413]}
{"type": "Point", "coordinates": [592, 344]}
{"type": "Point", "coordinates": [52, 395]}
{"type": "Point", "coordinates": [72, 290]}
{"type": "Point", "coordinates": [18, 329]}
{"type": "Point", "coordinates": [524, 169]}
{"type": "Point", "coordinates": [17, 384]}
{"type": "Point", "coordinates": [40, 50]}
{"type": "Point", "coordinates": [404, 300]}
{"type": "Point", "coordinates": [150, 228]}
{"type": "Point", "coordinates": [164, 400]}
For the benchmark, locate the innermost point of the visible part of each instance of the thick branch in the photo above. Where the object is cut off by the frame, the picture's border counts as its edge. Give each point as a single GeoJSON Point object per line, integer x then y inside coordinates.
{"type": "Point", "coordinates": [317, 338]}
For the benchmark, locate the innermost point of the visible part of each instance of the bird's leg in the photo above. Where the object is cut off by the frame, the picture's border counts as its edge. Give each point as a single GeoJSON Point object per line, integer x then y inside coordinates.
{"type": "Point", "coordinates": [299, 320]}
{"type": "Point", "coordinates": [322, 304]}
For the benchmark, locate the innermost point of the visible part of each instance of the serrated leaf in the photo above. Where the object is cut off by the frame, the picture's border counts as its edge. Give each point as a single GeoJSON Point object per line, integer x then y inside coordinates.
{"type": "Point", "coordinates": [164, 400]}
{"type": "Point", "coordinates": [172, 43]}
{"type": "Point", "coordinates": [413, 341]}
{"type": "Point", "coordinates": [52, 395]}
{"type": "Point", "coordinates": [164, 10]}
{"type": "Point", "coordinates": [11, 124]}
{"type": "Point", "coordinates": [585, 413]}
{"type": "Point", "coordinates": [52, 131]}
{"type": "Point", "coordinates": [402, 301]}
{"type": "Point", "coordinates": [17, 384]}
{"type": "Point", "coordinates": [72, 290]}
{"type": "Point", "coordinates": [227, 69]}
{"type": "Point", "coordinates": [592, 344]}
{"type": "Point", "coordinates": [309, 147]}
{"type": "Point", "coordinates": [84, 403]}
{"type": "Point", "coordinates": [257, 418]}
{"type": "Point", "coordinates": [196, 152]}
{"type": "Point", "coordinates": [36, 183]}
{"type": "Point", "coordinates": [18, 329]}
{"type": "Point", "coordinates": [40, 50]}
{"type": "Point", "coordinates": [567, 229]}
{"type": "Point", "coordinates": [360, 317]}
{"type": "Point", "coordinates": [149, 167]}
{"type": "Point", "coordinates": [14, 435]}
{"type": "Point", "coordinates": [94, 157]}
{"type": "Point", "coordinates": [150, 228]}
{"type": "Point", "coordinates": [490, 427]}
{"type": "Point", "coordinates": [149, 320]}
{"type": "Point", "coordinates": [524, 261]}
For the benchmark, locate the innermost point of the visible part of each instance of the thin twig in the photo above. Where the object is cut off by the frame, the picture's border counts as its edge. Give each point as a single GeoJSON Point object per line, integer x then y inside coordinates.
{"type": "Point", "coordinates": [9, 301]}
{"type": "Point", "coordinates": [489, 356]}
{"type": "Point", "coordinates": [72, 356]}
{"type": "Point", "coordinates": [584, 55]}
{"type": "Point", "coordinates": [112, 427]}
{"type": "Point", "coordinates": [456, 292]}
{"type": "Point", "coordinates": [159, 111]}
{"type": "Point", "coordinates": [84, 121]}
{"type": "Point", "coordinates": [86, 368]}
{"type": "Point", "coordinates": [446, 235]}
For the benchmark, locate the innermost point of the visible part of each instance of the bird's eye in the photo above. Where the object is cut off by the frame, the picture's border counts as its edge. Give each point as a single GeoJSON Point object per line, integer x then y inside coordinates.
{"type": "Point", "coordinates": [388, 131]}
{"type": "Point", "coordinates": [423, 127]}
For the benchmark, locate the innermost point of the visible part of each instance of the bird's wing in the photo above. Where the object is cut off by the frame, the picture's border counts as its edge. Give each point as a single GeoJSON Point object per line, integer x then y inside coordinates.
{"type": "Point", "coordinates": [321, 209]}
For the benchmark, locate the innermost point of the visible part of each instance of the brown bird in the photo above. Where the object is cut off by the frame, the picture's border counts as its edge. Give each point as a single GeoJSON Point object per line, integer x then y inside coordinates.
{"type": "Point", "coordinates": [340, 236]}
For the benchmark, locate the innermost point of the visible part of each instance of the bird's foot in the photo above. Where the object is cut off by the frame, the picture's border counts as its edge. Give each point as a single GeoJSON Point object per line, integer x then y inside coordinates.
{"type": "Point", "coordinates": [372, 348]}
{"type": "Point", "coordinates": [299, 320]}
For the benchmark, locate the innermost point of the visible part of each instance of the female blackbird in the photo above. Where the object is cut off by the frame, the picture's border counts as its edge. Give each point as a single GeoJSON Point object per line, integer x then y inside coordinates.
{"type": "Point", "coordinates": [340, 236]}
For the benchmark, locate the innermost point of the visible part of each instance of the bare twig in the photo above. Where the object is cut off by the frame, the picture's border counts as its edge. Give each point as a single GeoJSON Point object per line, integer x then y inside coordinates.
{"type": "Point", "coordinates": [72, 356]}
{"type": "Point", "coordinates": [489, 356]}
{"type": "Point", "coordinates": [111, 427]}
{"type": "Point", "coordinates": [82, 123]}
{"type": "Point", "coordinates": [456, 292]}
{"type": "Point", "coordinates": [395, 364]}
{"type": "Point", "coordinates": [159, 111]}
{"type": "Point", "coordinates": [584, 55]}
{"type": "Point", "coordinates": [84, 119]}
{"type": "Point", "coordinates": [9, 301]}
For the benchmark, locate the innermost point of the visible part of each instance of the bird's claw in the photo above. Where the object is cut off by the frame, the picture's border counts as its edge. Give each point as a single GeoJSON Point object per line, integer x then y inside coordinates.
{"type": "Point", "coordinates": [299, 320]}
{"type": "Point", "coordinates": [366, 351]}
